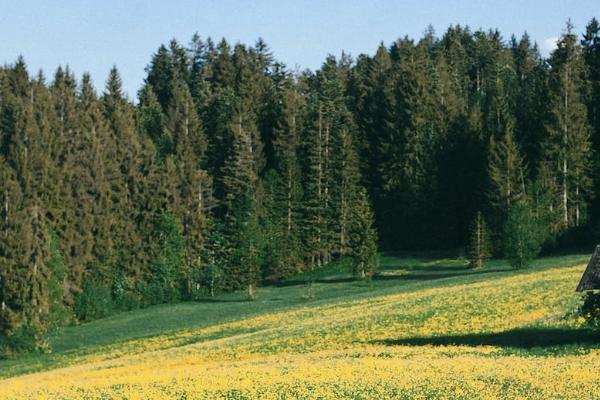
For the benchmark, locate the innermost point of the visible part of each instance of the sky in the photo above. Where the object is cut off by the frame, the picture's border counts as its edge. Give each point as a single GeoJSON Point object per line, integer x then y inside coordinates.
{"type": "Point", "coordinates": [93, 35]}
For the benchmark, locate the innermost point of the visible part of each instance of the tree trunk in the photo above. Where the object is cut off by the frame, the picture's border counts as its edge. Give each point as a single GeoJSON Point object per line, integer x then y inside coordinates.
{"type": "Point", "coordinates": [252, 291]}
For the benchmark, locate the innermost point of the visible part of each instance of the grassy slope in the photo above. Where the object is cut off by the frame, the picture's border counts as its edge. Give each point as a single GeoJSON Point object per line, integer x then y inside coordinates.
{"type": "Point", "coordinates": [416, 284]}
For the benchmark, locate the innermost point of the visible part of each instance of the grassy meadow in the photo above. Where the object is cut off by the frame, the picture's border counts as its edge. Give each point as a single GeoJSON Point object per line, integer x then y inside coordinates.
{"type": "Point", "coordinates": [423, 328]}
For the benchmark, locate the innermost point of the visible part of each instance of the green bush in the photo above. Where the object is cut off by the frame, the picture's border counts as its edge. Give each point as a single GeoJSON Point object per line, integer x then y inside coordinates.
{"type": "Point", "coordinates": [94, 302]}
{"type": "Point", "coordinates": [25, 340]}
{"type": "Point", "coordinates": [58, 313]}
{"type": "Point", "coordinates": [128, 301]}
{"type": "Point", "coordinates": [156, 292]}
{"type": "Point", "coordinates": [164, 279]}
{"type": "Point", "coordinates": [590, 309]}
{"type": "Point", "coordinates": [152, 293]}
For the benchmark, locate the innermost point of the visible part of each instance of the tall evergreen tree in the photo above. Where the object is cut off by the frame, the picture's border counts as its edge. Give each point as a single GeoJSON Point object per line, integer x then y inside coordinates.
{"type": "Point", "coordinates": [506, 170]}
{"type": "Point", "coordinates": [591, 49]}
{"type": "Point", "coordinates": [568, 148]}
{"type": "Point", "coordinates": [362, 236]}
{"type": "Point", "coordinates": [123, 160]}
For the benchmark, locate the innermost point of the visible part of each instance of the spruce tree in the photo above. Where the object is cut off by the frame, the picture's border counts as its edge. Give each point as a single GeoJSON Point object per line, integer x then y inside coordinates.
{"type": "Point", "coordinates": [286, 189]}
{"type": "Point", "coordinates": [123, 159]}
{"type": "Point", "coordinates": [567, 149]}
{"type": "Point", "coordinates": [161, 75]}
{"type": "Point", "coordinates": [363, 236]}
{"type": "Point", "coordinates": [24, 251]}
{"type": "Point", "coordinates": [591, 50]}
{"type": "Point", "coordinates": [522, 240]}
{"type": "Point", "coordinates": [184, 129]}
{"type": "Point", "coordinates": [96, 185]}
{"type": "Point", "coordinates": [506, 171]}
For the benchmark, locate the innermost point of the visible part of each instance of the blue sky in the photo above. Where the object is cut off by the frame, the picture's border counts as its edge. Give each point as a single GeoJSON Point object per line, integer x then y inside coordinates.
{"type": "Point", "coordinates": [93, 35]}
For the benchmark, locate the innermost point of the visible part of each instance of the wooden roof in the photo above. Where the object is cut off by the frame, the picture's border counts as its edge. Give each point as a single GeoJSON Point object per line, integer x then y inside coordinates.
{"type": "Point", "coordinates": [590, 280]}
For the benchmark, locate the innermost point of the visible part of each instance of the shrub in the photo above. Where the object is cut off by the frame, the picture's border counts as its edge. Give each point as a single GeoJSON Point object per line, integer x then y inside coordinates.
{"type": "Point", "coordinates": [156, 292]}
{"type": "Point", "coordinates": [163, 282]}
{"type": "Point", "coordinates": [210, 279]}
{"type": "Point", "coordinates": [128, 301]}
{"type": "Point", "coordinates": [58, 313]}
{"type": "Point", "coordinates": [94, 302]}
{"type": "Point", "coordinates": [26, 339]}
{"type": "Point", "coordinates": [590, 309]}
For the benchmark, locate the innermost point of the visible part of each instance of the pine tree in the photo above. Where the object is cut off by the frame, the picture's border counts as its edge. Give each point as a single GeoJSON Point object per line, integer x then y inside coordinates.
{"type": "Point", "coordinates": [313, 212]}
{"type": "Point", "coordinates": [407, 162]}
{"type": "Point", "coordinates": [479, 248]}
{"type": "Point", "coordinates": [166, 275]}
{"type": "Point", "coordinates": [567, 148]}
{"type": "Point", "coordinates": [161, 75]}
{"type": "Point", "coordinates": [95, 184]}
{"type": "Point", "coordinates": [591, 49]}
{"type": "Point", "coordinates": [214, 258]}
{"type": "Point", "coordinates": [506, 171]}
{"type": "Point", "coordinates": [124, 159]}
{"type": "Point", "coordinates": [363, 236]}
{"type": "Point", "coordinates": [286, 190]}
{"type": "Point", "coordinates": [24, 241]}
{"type": "Point", "coordinates": [530, 99]}
{"type": "Point", "coordinates": [150, 120]}
{"type": "Point", "coordinates": [522, 240]}
{"type": "Point", "coordinates": [245, 241]}
{"type": "Point", "coordinates": [184, 129]}
{"type": "Point", "coordinates": [241, 188]}
{"type": "Point", "coordinates": [59, 313]}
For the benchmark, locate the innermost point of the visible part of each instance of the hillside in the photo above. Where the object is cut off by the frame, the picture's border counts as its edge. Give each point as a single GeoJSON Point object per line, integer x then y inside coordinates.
{"type": "Point", "coordinates": [423, 328]}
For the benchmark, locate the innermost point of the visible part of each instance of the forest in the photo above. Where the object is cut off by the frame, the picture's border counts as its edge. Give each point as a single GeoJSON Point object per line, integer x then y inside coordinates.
{"type": "Point", "coordinates": [230, 169]}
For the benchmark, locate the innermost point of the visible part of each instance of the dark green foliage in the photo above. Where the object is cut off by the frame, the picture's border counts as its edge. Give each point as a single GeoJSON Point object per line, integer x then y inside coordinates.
{"type": "Point", "coordinates": [209, 277]}
{"type": "Point", "coordinates": [245, 241]}
{"type": "Point", "coordinates": [362, 237]}
{"type": "Point", "coordinates": [590, 308]}
{"type": "Point", "coordinates": [94, 302]}
{"type": "Point", "coordinates": [591, 54]}
{"type": "Point", "coordinates": [231, 169]}
{"type": "Point", "coordinates": [209, 280]}
{"type": "Point", "coordinates": [58, 314]}
{"type": "Point", "coordinates": [165, 275]}
{"type": "Point", "coordinates": [124, 296]}
{"type": "Point", "coordinates": [522, 236]}
{"type": "Point", "coordinates": [24, 340]}
{"type": "Point", "coordinates": [567, 150]}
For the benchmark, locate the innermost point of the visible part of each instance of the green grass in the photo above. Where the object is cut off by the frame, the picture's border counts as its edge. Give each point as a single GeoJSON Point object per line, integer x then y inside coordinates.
{"type": "Point", "coordinates": [332, 283]}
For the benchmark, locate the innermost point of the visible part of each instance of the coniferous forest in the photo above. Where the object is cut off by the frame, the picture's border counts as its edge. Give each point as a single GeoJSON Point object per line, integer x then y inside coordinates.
{"type": "Point", "coordinates": [229, 169]}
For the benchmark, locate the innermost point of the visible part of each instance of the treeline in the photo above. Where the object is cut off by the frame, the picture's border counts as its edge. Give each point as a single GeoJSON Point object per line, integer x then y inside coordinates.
{"type": "Point", "coordinates": [231, 169]}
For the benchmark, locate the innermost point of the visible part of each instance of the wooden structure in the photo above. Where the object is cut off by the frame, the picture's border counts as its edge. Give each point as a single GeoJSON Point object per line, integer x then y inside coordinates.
{"type": "Point", "coordinates": [591, 277]}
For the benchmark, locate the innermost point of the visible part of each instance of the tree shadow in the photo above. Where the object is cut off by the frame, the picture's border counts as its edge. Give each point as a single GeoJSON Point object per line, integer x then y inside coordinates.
{"type": "Point", "coordinates": [432, 276]}
{"type": "Point", "coordinates": [426, 268]}
{"type": "Point", "coordinates": [219, 300]}
{"type": "Point", "coordinates": [296, 282]}
{"type": "Point", "coordinates": [525, 338]}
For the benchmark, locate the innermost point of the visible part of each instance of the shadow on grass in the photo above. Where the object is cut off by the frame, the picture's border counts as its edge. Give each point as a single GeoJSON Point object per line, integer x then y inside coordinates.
{"type": "Point", "coordinates": [437, 275]}
{"type": "Point", "coordinates": [426, 268]}
{"type": "Point", "coordinates": [296, 282]}
{"type": "Point", "coordinates": [525, 338]}
{"type": "Point", "coordinates": [422, 274]}
{"type": "Point", "coordinates": [220, 300]}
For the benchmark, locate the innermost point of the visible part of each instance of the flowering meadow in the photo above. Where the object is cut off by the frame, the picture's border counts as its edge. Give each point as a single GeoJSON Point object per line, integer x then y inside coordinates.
{"type": "Point", "coordinates": [507, 336]}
